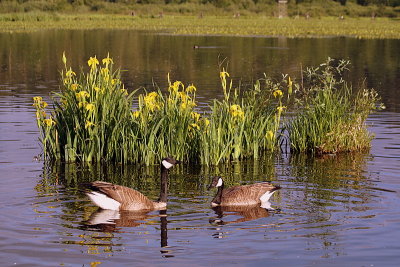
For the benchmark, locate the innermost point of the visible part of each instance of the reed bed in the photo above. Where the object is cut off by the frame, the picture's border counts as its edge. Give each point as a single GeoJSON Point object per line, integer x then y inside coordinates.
{"type": "Point", "coordinates": [93, 118]}
{"type": "Point", "coordinates": [332, 117]}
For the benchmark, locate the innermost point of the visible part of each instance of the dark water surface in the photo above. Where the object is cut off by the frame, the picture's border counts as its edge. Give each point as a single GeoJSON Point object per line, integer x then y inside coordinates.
{"type": "Point", "coordinates": [335, 211]}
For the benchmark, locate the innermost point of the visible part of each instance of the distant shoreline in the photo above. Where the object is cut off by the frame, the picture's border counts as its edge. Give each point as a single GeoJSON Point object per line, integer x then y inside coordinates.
{"type": "Point", "coordinates": [363, 28]}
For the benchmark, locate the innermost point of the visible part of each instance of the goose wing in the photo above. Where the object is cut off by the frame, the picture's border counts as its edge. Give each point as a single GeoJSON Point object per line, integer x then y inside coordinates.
{"type": "Point", "coordinates": [129, 198]}
{"type": "Point", "coordinates": [246, 194]}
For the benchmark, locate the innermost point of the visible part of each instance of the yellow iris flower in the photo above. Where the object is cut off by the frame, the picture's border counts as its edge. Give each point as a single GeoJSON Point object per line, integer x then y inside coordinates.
{"type": "Point", "coordinates": [82, 95]}
{"type": "Point", "coordinates": [93, 62]}
{"type": "Point", "coordinates": [49, 122]}
{"type": "Point", "coordinates": [90, 107]}
{"type": "Point", "coordinates": [278, 93]}
{"type": "Point", "coordinates": [236, 111]}
{"type": "Point", "coordinates": [280, 108]}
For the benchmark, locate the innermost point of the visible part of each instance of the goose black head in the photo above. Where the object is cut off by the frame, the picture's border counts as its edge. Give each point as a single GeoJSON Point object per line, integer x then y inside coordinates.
{"type": "Point", "coordinates": [216, 182]}
{"type": "Point", "coordinates": [169, 162]}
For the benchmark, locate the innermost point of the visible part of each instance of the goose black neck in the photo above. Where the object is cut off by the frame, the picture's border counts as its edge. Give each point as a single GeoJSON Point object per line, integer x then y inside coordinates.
{"type": "Point", "coordinates": [218, 197]}
{"type": "Point", "coordinates": [164, 184]}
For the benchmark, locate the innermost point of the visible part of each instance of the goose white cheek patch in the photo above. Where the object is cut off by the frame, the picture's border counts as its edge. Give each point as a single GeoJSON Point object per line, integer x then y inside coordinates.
{"type": "Point", "coordinates": [166, 164]}
{"type": "Point", "coordinates": [219, 182]}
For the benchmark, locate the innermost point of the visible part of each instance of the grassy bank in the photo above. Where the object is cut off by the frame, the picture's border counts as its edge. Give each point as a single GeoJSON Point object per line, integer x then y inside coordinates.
{"type": "Point", "coordinates": [209, 25]}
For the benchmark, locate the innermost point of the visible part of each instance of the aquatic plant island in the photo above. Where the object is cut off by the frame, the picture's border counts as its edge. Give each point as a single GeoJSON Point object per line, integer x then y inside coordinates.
{"type": "Point", "coordinates": [94, 118]}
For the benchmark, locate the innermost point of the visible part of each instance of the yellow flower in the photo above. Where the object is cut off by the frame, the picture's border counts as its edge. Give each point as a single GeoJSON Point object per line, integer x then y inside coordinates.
{"type": "Point", "coordinates": [175, 86]}
{"type": "Point", "coordinates": [97, 89]}
{"type": "Point", "coordinates": [44, 104]}
{"type": "Point", "coordinates": [136, 114]}
{"type": "Point", "coordinates": [280, 108]}
{"type": "Point", "coordinates": [191, 89]}
{"type": "Point", "coordinates": [194, 126]}
{"type": "Point", "coordinates": [82, 95]}
{"type": "Point", "coordinates": [236, 111]}
{"type": "Point", "coordinates": [114, 81]}
{"type": "Point", "coordinates": [150, 100]}
{"type": "Point", "coordinates": [40, 114]}
{"type": "Point", "coordinates": [152, 95]}
{"type": "Point", "coordinates": [206, 122]}
{"type": "Point", "coordinates": [93, 62]}
{"type": "Point", "coordinates": [39, 103]}
{"type": "Point", "coordinates": [89, 107]}
{"type": "Point", "coordinates": [195, 115]}
{"type": "Point", "coordinates": [37, 99]}
{"type": "Point", "coordinates": [278, 93]}
{"type": "Point", "coordinates": [269, 135]}
{"type": "Point", "coordinates": [82, 104]}
{"type": "Point", "coordinates": [104, 71]}
{"type": "Point", "coordinates": [223, 74]}
{"type": "Point", "coordinates": [74, 86]}
{"type": "Point", "coordinates": [49, 122]}
{"type": "Point", "coordinates": [106, 61]}
{"type": "Point", "coordinates": [184, 105]}
{"type": "Point", "coordinates": [183, 96]}
{"type": "Point", "coordinates": [89, 124]}
{"type": "Point", "coordinates": [178, 83]}
{"type": "Point", "coordinates": [70, 73]}
{"type": "Point", "coordinates": [124, 91]}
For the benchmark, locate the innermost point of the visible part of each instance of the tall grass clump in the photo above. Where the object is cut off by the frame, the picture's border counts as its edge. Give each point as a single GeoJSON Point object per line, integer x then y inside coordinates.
{"type": "Point", "coordinates": [91, 116]}
{"type": "Point", "coordinates": [242, 125]}
{"type": "Point", "coordinates": [166, 125]}
{"type": "Point", "coordinates": [93, 120]}
{"type": "Point", "coordinates": [332, 116]}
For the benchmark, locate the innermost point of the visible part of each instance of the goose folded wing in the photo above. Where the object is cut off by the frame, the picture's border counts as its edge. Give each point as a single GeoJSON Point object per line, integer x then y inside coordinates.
{"type": "Point", "coordinates": [119, 193]}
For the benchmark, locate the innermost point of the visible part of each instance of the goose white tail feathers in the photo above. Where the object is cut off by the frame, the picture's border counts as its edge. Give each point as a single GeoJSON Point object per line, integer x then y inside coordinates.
{"type": "Point", "coordinates": [103, 201]}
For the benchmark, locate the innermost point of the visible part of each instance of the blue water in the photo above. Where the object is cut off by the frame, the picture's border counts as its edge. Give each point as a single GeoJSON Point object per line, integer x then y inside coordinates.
{"type": "Point", "coordinates": [334, 211]}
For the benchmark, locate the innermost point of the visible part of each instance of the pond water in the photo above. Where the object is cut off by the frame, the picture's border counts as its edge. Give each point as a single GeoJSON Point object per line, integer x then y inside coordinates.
{"type": "Point", "coordinates": [334, 211]}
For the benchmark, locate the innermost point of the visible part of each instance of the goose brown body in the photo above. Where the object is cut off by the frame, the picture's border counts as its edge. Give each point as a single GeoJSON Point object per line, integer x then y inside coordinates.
{"type": "Point", "coordinates": [129, 199]}
{"type": "Point", "coordinates": [117, 197]}
{"type": "Point", "coordinates": [241, 195]}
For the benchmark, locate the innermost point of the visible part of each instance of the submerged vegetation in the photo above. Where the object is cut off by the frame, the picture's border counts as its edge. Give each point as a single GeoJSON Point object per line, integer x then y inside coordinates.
{"type": "Point", "coordinates": [94, 118]}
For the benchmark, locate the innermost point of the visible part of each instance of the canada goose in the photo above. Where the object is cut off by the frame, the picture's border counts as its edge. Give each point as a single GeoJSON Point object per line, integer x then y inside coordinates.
{"type": "Point", "coordinates": [116, 197]}
{"type": "Point", "coordinates": [242, 195]}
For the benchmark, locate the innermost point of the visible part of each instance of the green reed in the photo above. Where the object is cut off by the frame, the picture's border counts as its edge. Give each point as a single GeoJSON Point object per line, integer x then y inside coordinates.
{"type": "Point", "coordinates": [242, 125]}
{"type": "Point", "coordinates": [90, 116]}
{"type": "Point", "coordinates": [331, 118]}
{"type": "Point", "coordinates": [92, 119]}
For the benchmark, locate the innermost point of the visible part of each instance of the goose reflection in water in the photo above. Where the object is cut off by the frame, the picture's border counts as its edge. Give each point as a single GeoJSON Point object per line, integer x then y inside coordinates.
{"type": "Point", "coordinates": [112, 220]}
{"type": "Point", "coordinates": [245, 213]}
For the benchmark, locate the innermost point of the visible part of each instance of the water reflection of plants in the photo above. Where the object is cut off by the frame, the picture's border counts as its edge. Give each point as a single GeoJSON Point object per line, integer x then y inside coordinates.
{"type": "Point", "coordinates": [331, 180]}
{"type": "Point", "coordinates": [92, 120]}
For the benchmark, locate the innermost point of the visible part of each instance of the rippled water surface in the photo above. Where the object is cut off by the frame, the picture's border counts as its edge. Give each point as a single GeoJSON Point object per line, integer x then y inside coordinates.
{"type": "Point", "coordinates": [331, 211]}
